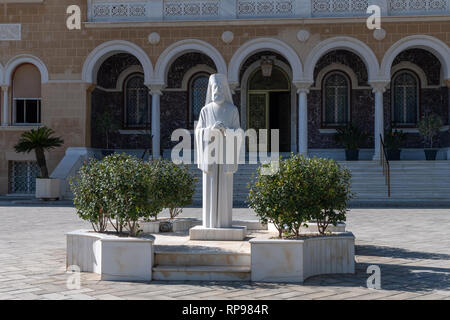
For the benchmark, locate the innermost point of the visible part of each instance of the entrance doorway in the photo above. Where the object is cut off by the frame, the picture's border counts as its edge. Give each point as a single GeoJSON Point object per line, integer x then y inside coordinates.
{"type": "Point", "coordinates": [269, 105]}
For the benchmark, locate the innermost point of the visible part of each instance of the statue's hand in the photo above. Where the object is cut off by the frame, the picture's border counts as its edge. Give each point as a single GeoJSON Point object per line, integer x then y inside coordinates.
{"type": "Point", "coordinates": [219, 126]}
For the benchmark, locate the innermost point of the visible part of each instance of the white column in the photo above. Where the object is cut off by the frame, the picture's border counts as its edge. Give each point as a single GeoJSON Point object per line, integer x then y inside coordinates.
{"type": "Point", "coordinates": [303, 90]}
{"type": "Point", "coordinates": [155, 91]}
{"type": "Point", "coordinates": [5, 107]}
{"type": "Point", "coordinates": [378, 88]}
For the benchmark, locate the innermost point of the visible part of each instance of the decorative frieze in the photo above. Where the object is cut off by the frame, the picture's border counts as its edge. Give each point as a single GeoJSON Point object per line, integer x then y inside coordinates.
{"type": "Point", "coordinates": [10, 31]}
{"type": "Point", "coordinates": [193, 8]}
{"type": "Point", "coordinates": [160, 10]}
{"type": "Point", "coordinates": [417, 6]}
{"type": "Point", "coordinates": [111, 11]}
{"type": "Point", "coordinates": [339, 7]}
{"type": "Point", "coordinates": [265, 8]}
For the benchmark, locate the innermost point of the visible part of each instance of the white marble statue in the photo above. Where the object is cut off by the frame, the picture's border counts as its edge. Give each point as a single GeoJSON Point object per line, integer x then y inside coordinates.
{"type": "Point", "coordinates": [218, 138]}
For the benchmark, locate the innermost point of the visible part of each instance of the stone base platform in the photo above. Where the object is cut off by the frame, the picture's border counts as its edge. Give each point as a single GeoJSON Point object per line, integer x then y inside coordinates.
{"type": "Point", "coordinates": [177, 257]}
{"type": "Point", "coordinates": [235, 233]}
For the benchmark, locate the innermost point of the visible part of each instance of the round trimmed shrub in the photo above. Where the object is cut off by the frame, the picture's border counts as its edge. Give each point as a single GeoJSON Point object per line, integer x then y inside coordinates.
{"type": "Point", "coordinates": [175, 184]}
{"type": "Point", "coordinates": [303, 189]}
{"type": "Point", "coordinates": [120, 187]}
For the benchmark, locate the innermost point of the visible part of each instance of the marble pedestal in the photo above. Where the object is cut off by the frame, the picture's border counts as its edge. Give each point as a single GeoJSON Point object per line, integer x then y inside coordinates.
{"type": "Point", "coordinates": [235, 233]}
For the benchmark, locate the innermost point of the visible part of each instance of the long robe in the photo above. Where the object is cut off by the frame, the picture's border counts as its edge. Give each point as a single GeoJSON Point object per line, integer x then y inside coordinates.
{"type": "Point", "coordinates": [218, 169]}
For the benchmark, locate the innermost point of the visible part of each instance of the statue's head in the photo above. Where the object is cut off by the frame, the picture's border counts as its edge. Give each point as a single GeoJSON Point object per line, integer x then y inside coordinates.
{"type": "Point", "coordinates": [216, 81]}
{"type": "Point", "coordinates": [218, 90]}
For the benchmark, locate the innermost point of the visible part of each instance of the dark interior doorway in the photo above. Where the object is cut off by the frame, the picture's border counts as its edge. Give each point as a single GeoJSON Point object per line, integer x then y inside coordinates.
{"type": "Point", "coordinates": [280, 116]}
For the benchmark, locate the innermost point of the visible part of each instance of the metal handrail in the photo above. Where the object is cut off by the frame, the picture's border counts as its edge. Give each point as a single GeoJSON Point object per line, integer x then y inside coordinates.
{"type": "Point", "coordinates": [385, 165]}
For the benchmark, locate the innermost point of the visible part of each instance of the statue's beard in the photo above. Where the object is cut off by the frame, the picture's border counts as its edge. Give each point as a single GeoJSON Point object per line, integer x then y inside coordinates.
{"type": "Point", "coordinates": [218, 98]}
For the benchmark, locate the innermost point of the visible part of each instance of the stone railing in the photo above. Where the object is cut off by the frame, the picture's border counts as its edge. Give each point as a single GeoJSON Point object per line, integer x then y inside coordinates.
{"type": "Point", "coordinates": [160, 10]}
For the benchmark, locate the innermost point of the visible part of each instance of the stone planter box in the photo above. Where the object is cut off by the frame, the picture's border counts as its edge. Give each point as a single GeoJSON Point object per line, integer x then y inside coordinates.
{"type": "Point", "coordinates": [184, 224]}
{"type": "Point", "coordinates": [251, 224]}
{"type": "Point", "coordinates": [48, 189]}
{"type": "Point", "coordinates": [276, 260]}
{"type": "Point", "coordinates": [312, 228]}
{"type": "Point", "coordinates": [114, 258]}
{"type": "Point", "coordinates": [178, 225]}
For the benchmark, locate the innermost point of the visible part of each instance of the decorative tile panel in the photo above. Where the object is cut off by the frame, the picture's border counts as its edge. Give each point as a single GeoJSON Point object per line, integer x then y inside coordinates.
{"type": "Point", "coordinates": [325, 8]}
{"type": "Point", "coordinates": [417, 6]}
{"type": "Point", "coordinates": [160, 10]}
{"type": "Point", "coordinates": [191, 8]}
{"type": "Point", "coordinates": [265, 8]}
{"type": "Point", "coordinates": [105, 11]}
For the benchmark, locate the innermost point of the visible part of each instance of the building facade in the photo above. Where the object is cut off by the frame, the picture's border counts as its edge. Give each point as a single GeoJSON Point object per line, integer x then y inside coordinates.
{"type": "Point", "coordinates": [305, 67]}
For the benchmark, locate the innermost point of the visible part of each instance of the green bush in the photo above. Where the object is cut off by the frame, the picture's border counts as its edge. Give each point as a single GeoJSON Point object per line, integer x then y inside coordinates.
{"type": "Point", "coordinates": [119, 187]}
{"type": "Point", "coordinates": [328, 191]}
{"type": "Point", "coordinates": [302, 190]}
{"type": "Point", "coordinates": [429, 128]}
{"type": "Point", "coordinates": [175, 185]}
{"type": "Point", "coordinates": [393, 139]}
{"type": "Point", "coordinates": [350, 136]}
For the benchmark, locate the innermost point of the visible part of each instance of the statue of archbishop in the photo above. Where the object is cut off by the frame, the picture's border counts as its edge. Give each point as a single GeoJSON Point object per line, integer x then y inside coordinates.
{"type": "Point", "coordinates": [218, 140]}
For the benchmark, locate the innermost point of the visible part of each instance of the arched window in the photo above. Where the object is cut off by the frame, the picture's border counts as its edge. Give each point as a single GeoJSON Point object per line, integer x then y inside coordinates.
{"type": "Point", "coordinates": [336, 99]}
{"type": "Point", "coordinates": [26, 95]}
{"type": "Point", "coordinates": [405, 99]}
{"type": "Point", "coordinates": [197, 91]}
{"type": "Point", "coordinates": [137, 114]}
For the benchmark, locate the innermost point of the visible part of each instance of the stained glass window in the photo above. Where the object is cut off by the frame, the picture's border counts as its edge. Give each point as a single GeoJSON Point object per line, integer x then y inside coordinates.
{"type": "Point", "coordinates": [336, 99]}
{"type": "Point", "coordinates": [199, 86]}
{"type": "Point", "coordinates": [137, 110]}
{"type": "Point", "coordinates": [405, 98]}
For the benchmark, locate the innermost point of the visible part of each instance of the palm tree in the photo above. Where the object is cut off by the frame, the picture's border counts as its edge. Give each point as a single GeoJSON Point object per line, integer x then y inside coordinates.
{"type": "Point", "coordinates": [38, 140]}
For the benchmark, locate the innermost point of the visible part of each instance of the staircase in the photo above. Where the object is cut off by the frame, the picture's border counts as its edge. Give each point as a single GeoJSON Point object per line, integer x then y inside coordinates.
{"type": "Point", "coordinates": [201, 265]}
{"type": "Point", "coordinates": [412, 183]}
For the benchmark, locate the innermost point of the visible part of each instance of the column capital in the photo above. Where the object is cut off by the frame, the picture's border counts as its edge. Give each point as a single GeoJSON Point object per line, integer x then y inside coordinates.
{"type": "Point", "coordinates": [303, 86]}
{"type": "Point", "coordinates": [156, 88]}
{"type": "Point", "coordinates": [379, 86]}
{"type": "Point", "coordinates": [5, 87]}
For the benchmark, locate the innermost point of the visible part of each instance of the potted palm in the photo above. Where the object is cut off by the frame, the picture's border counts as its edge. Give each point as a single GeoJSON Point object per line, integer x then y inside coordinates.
{"type": "Point", "coordinates": [429, 128]}
{"type": "Point", "coordinates": [41, 140]}
{"type": "Point", "coordinates": [351, 137]}
{"type": "Point", "coordinates": [393, 140]}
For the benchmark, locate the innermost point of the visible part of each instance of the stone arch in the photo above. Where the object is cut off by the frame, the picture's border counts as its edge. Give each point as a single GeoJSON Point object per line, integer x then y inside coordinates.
{"type": "Point", "coordinates": [262, 44]}
{"type": "Point", "coordinates": [243, 97]}
{"type": "Point", "coordinates": [21, 59]}
{"type": "Point", "coordinates": [343, 43]}
{"type": "Point", "coordinates": [337, 67]}
{"type": "Point", "coordinates": [179, 48]}
{"type": "Point", "coordinates": [428, 43]}
{"type": "Point", "coordinates": [191, 72]}
{"type": "Point", "coordinates": [107, 49]}
{"type": "Point", "coordinates": [125, 74]}
{"type": "Point", "coordinates": [406, 65]}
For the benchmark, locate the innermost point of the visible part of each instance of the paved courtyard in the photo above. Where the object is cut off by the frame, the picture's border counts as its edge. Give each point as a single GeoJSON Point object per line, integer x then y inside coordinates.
{"type": "Point", "coordinates": [411, 246]}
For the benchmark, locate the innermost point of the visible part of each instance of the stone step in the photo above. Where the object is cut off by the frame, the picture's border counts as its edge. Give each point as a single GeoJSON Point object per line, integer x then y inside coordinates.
{"type": "Point", "coordinates": [200, 258]}
{"type": "Point", "coordinates": [201, 273]}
